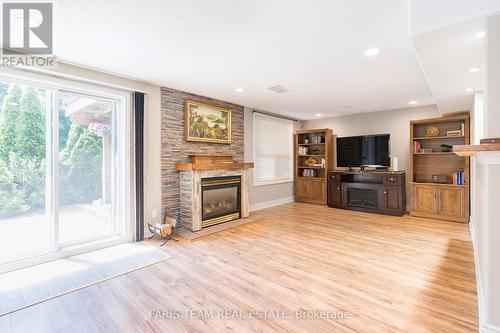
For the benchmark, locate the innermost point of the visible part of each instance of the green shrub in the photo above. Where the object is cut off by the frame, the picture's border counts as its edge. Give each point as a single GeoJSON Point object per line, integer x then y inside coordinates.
{"type": "Point", "coordinates": [29, 175]}
{"type": "Point", "coordinates": [10, 112]}
{"type": "Point", "coordinates": [81, 167]}
{"type": "Point", "coordinates": [30, 127]}
{"type": "Point", "coordinates": [11, 202]}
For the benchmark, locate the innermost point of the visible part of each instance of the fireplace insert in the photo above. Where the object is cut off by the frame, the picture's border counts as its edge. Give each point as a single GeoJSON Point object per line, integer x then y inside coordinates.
{"type": "Point", "coordinates": [362, 198]}
{"type": "Point", "coordinates": [220, 200]}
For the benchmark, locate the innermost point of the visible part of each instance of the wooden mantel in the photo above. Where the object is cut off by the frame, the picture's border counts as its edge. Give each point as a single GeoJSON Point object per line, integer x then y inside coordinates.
{"type": "Point", "coordinates": [212, 162]}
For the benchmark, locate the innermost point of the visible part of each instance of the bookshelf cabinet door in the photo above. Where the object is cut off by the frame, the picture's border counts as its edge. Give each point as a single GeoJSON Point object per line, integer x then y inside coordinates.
{"type": "Point", "coordinates": [424, 199]}
{"type": "Point", "coordinates": [451, 202]}
{"type": "Point", "coordinates": [311, 190]}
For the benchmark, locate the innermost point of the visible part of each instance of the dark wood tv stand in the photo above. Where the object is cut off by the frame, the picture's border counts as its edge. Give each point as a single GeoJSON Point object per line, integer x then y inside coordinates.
{"type": "Point", "coordinates": [380, 192]}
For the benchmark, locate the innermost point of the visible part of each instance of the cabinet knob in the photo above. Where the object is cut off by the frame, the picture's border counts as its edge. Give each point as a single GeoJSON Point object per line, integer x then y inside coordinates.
{"type": "Point", "coordinates": [338, 188]}
{"type": "Point", "coordinates": [385, 192]}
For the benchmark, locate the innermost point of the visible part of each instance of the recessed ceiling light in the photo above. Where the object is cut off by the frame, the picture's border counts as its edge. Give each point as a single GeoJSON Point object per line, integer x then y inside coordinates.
{"type": "Point", "coordinates": [239, 90]}
{"type": "Point", "coordinates": [474, 69]}
{"type": "Point", "coordinates": [372, 52]}
{"type": "Point", "coordinates": [345, 106]}
{"type": "Point", "coordinates": [481, 34]}
{"type": "Point", "coordinates": [413, 102]}
{"type": "Point", "coordinates": [318, 114]}
{"type": "Point", "coordinates": [469, 90]}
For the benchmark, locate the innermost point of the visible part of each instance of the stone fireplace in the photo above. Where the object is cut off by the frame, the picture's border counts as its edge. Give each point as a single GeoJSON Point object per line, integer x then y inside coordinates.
{"type": "Point", "coordinates": [213, 190]}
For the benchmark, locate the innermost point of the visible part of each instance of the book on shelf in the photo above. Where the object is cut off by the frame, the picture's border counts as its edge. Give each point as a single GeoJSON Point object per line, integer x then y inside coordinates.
{"type": "Point", "coordinates": [416, 146]}
{"type": "Point", "coordinates": [454, 133]}
{"type": "Point", "coordinates": [458, 177]}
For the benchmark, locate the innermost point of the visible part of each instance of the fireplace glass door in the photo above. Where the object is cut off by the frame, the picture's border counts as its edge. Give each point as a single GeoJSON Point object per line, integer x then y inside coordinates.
{"type": "Point", "coordinates": [220, 200]}
{"type": "Point", "coordinates": [362, 198]}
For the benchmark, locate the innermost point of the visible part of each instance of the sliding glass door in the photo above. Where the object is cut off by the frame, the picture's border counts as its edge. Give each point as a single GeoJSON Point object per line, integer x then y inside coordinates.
{"type": "Point", "coordinates": [63, 169]}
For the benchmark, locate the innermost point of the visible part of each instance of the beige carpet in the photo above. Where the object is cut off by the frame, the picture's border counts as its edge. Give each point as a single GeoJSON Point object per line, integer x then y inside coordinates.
{"type": "Point", "coordinates": [189, 235]}
{"type": "Point", "coordinates": [29, 286]}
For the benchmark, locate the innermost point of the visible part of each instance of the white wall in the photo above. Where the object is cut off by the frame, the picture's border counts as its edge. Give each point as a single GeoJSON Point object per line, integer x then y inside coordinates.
{"type": "Point", "coordinates": [267, 195]}
{"type": "Point", "coordinates": [152, 130]}
{"type": "Point", "coordinates": [485, 192]}
{"type": "Point", "coordinates": [492, 75]}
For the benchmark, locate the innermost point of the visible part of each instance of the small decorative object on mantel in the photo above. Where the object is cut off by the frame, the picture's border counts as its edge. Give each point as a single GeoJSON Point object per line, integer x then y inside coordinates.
{"type": "Point", "coordinates": [446, 148]}
{"type": "Point", "coordinates": [310, 162]}
{"type": "Point", "coordinates": [207, 123]}
{"type": "Point", "coordinates": [432, 132]}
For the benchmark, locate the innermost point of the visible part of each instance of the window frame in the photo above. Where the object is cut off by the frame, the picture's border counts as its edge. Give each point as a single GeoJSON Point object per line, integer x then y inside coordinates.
{"type": "Point", "coordinates": [277, 180]}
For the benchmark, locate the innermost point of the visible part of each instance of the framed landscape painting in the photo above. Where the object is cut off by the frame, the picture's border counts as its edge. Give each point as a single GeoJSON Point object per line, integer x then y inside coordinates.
{"type": "Point", "coordinates": [207, 123]}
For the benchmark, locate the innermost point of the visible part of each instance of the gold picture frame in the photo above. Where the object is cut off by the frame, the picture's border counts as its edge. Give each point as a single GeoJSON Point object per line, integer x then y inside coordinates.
{"type": "Point", "coordinates": [207, 123]}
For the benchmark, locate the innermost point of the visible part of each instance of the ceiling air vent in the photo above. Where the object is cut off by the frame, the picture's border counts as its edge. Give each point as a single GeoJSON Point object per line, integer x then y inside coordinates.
{"type": "Point", "coordinates": [279, 89]}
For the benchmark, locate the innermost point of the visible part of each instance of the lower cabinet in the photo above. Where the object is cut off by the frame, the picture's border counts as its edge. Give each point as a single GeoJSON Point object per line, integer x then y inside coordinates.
{"type": "Point", "coordinates": [381, 192]}
{"type": "Point", "coordinates": [447, 202]}
{"type": "Point", "coordinates": [312, 190]}
{"type": "Point", "coordinates": [424, 199]}
{"type": "Point", "coordinates": [392, 199]}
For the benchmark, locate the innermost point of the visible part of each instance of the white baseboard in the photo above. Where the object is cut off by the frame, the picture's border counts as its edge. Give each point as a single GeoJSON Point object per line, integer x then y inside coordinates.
{"type": "Point", "coordinates": [270, 203]}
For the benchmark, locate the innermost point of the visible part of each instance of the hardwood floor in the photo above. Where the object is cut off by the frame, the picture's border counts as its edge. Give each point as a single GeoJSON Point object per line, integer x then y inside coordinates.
{"type": "Point", "coordinates": [390, 274]}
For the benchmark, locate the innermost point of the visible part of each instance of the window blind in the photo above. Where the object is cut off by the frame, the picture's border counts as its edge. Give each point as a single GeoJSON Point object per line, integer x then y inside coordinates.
{"type": "Point", "coordinates": [273, 150]}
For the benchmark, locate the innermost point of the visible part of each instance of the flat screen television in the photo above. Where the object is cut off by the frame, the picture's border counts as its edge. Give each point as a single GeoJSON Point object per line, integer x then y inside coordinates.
{"type": "Point", "coordinates": [367, 150]}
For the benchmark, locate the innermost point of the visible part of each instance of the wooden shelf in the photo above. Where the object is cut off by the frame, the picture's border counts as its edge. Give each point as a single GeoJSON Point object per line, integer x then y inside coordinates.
{"type": "Point", "coordinates": [302, 177]}
{"type": "Point", "coordinates": [438, 184]}
{"type": "Point", "coordinates": [311, 155]}
{"type": "Point", "coordinates": [306, 167]}
{"type": "Point", "coordinates": [439, 137]}
{"type": "Point", "coordinates": [436, 153]}
{"type": "Point", "coordinates": [470, 150]}
{"type": "Point", "coordinates": [311, 144]}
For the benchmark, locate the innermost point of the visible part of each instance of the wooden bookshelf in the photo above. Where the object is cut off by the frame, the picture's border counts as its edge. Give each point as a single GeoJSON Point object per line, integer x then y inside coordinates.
{"type": "Point", "coordinates": [311, 181]}
{"type": "Point", "coordinates": [428, 198]}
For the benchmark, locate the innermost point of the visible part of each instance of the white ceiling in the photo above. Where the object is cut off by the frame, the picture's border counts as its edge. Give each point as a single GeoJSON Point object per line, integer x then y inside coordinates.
{"type": "Point", "coordinates": [446, 54]}
{"type": "Point", "coordinates": [427, 15]}
{"type": "Point", "coordinates": [315, 49]}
